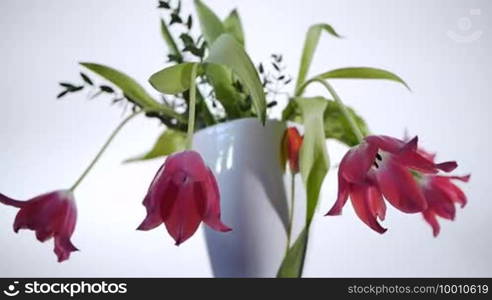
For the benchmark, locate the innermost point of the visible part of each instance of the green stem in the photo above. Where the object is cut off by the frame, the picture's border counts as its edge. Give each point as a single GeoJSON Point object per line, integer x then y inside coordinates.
{"type": "Point", "coordinates": [291, 211]}
{"type": "Point", "coordinates": [191, 116]}
{"type": "Point", "coordinates": [101, 151]}
{"type": "Point", "coordinates": [343, 108]}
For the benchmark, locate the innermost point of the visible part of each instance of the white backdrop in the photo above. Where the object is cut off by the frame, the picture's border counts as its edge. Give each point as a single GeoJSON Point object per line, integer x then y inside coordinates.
{"type": "Point", "coordinates": [46, 143]}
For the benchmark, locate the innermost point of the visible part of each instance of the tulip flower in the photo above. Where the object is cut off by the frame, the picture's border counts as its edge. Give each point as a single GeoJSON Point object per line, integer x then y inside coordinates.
{"type": "Point", "coordinates": [183, 193]}
{"type": "Point", "coordinates": [383, 166]}
{"type": "Point", "coordinates": [49, 215]}
{"type": "Point", "coordinates": [291, 146]}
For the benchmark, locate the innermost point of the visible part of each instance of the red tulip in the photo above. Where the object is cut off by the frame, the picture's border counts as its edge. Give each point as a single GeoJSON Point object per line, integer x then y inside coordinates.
{"type": "Point", "coordinates": [441, 195]}
{"type": "Point", "coordinates": [183, 193]}
{"type": "Point", "coordinates": [383, 166]}
{"type": "Point", "coordinates": [291, 146]}
{"type": "Point", "coordinates": [49, 215]}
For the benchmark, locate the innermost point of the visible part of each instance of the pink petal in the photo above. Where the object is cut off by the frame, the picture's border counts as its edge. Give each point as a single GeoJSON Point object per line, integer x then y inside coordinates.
{"type": "Point", "coordinates": [386, 143]}
{"type": "Point", "coordinates": [376, 203]}
{"type": "Point", "coordinates": [430, 218]}
{"type": "Point", "coordinates": [9, 201]}
{"type": "Point", "coordinates": [210, 190]}
{"type": "Point", "coordinates": [343, 193]}
{"type": "Point", "coordinates": [399, 187]}
{"type": "Point", "coordinates": [185, 215]}
{"type": "Point", "coordinates": [63, 248]}
{"type": "Point", "coordinates": [439, 202]}
{"type": "Point", "coordinates": [452, 191]}
{"type": "Point", "coordinates": [447, 166]}
{"type": "Point", "coordinates": [361, 195]}
{"type": "Point", "coordinates": [357, 162]}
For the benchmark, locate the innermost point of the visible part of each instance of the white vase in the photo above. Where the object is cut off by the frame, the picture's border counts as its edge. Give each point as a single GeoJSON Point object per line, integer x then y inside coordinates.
{"type": "Point", "coordinates": [245, 157]}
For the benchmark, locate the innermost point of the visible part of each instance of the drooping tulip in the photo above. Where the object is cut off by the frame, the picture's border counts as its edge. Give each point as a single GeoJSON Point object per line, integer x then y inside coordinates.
{"type": "Point", "coordinates": [183, 193]}
{"type": "Point", "coordinates": [442, 195]}
{"type": "Point", "coordinates": [384, 166]}
{"type": "Point", "coordinates": [49, 215]}
{"type": "Point", "coordinates": [291, 146]}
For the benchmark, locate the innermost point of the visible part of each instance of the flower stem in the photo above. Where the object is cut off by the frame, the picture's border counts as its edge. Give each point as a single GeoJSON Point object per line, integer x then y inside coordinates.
{"type": "Point", "coordinates": [101, 151]}
{"type": "Point", "coordinates": [291, 211]}
{"type": "Point", "coordinates": [191, 113]}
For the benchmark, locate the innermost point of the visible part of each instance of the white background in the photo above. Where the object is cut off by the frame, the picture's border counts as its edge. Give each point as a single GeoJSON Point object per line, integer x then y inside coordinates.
{"type": "Point", "coordinates": [46, 143]}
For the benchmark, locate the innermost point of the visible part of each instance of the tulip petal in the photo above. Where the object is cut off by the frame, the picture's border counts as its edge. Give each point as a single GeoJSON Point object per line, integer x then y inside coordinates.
{"type": "Point", "coordinates": [376, 203]}
{"type": "Point", "coordinates": [38, 213]}
{"type": "Point", "coordinates": [9, 201]}
{"type": "Point", "coordinates": [211, 215]}
{"type": "Point", "coordinates": [361, 196]}
{"type": "Point", "coordinates": [453, 192]}
{"type": "Point", "coordinates": [447, 166]}
{"type": "Point", "coordinates": [430, 218]}
{"type": "Point", "coordinates": [63, 248]}
{"type": "Point", "coordinates": [343, 194]}
{"type": "Point", "coordinates": [185, 215]}
{"type": "Point", "coordinates": [439, 202]}
{"type": "Point", "coordinates": [357, 162]}
{"type": "Point", "coordinates": [386, 143]}
{"type": "Point", "coordinates": [399, 187]}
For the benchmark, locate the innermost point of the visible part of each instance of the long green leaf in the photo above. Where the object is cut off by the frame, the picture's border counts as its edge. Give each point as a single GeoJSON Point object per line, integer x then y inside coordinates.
{"type": "Point", "coordinates": [314, 162]}
{"type": "Point", "coordinates": [131, 88]}
{"type": "Point", "coordinates": [221, 79]}
{"type": "Point", "coordinates": [171, 43]}
{"type": "Point", "coordinates": [212, 27]}
{"type": "Point", "coordinates": [362, 73]}
{"type": "Point", "coordinates": [169, 141]}
{"type": "Point", "coordinates": [173, 80]}
{"type": "Point", "coordinates": [293, 262]}
{"type": "Point", "coordinates": [227, 51]}
{"type": "Point", "coordinates": [234, 26]}
{"type": "Point", "coordinates": [310, 44]}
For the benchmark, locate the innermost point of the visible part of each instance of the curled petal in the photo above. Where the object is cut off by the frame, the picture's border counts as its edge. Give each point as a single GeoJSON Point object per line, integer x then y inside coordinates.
{"type": "Point", "coordinates": [211, 215]}
{"type": "Point", "coordinates": [9, 201]}
{"type": "Point", "coordinates": [447, 166]}
{"type": "Point", "coordinates": [343, 194]}
{"type": "Point", "coordinates": [430, 217]}
{"type": "Point", "coordinates": [63, 248]}
{"type": "Point", "coordinates": [361, 196]}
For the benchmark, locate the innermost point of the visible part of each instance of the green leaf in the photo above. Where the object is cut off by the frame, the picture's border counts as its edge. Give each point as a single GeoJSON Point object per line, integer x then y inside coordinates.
{"type": "Point", "coordinates": [313, 157]}
{"type": "Point", "coordinates": [293, 262]}
{"type": "Point", "coordinates": [234, 26]}
{"type": "Point", "coordinates": [131, 88]}
{"type": "Point", "coordinates": [227, 51]}
{"type": "Point", "coordinates": [362, 73]}
{"type": "Point", "coordinates": [221, 80]}
{"type": "Point", "coordinates": [337, 127]}
{"type": "Point", "coordinates": [172, 80]}
{"type": "Point", "coordinates": [211, 25]}
{"type": "Point", "coordinates": [171, 43]}
{"type": "Point", "coordinates": [310, 44]}
{"type": "Point", "coordinates": [169, 141]}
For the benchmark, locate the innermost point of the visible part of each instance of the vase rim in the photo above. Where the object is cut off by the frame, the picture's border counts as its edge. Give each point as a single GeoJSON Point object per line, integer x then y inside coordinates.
{"type": "Point", "coordinates": [235, 122]}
